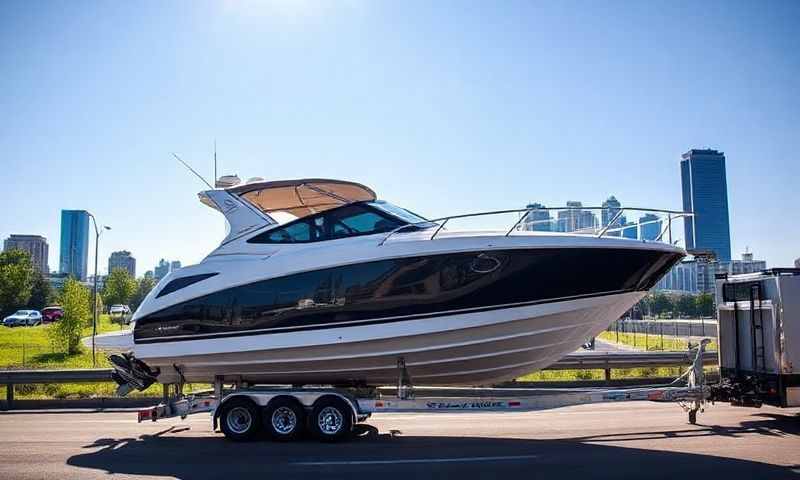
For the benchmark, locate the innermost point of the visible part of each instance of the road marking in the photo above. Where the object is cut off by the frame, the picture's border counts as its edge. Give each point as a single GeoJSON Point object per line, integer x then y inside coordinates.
{"type": "Point", "coordinates": [418, 460]}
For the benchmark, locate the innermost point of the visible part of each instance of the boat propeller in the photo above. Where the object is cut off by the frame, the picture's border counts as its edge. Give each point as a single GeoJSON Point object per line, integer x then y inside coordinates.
{"type": "Point", "coordinates": [130, 372]}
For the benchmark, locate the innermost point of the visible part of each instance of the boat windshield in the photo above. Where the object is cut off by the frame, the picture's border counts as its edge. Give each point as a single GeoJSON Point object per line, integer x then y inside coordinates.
{"type": "Point", "coordinates": [400, 213]}
{"type": "Point", "coordinates": [355, 219]}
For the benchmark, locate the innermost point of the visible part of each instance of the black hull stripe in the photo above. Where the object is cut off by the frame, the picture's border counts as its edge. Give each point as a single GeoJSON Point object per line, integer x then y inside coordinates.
{"type": "Point", "coordinates": [405, 318]}
{"type": "Point", "coordinates": [393, 290]}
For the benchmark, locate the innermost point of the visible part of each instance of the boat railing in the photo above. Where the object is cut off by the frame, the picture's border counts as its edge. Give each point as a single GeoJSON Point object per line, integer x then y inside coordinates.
{"type": "Point", "coordinates": [573, 220]}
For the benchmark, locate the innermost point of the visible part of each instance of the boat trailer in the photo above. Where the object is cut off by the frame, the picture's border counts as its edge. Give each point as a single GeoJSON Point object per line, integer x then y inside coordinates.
{"type": "Point", "coordinates": [286, 412]}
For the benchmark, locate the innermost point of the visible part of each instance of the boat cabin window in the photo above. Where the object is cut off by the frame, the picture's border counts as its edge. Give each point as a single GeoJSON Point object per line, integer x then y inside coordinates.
{"type": "Point", "coordinates": [296, 232]}
{"type": "Point", "coordinates": [347, 221]}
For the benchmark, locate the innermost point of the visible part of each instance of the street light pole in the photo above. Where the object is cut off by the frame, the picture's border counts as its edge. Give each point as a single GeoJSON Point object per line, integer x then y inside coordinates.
{"type": "Point", "coordinates": [97, 233]}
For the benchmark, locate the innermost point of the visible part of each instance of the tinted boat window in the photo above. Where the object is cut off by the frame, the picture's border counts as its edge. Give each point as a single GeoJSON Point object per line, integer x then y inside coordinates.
{"type": "Point", "coordinates": [299, 232]}
{"type": "Point", "coordinates": [178, 284]}
{"type": "Point", "coordinates": [348, 221]}
{"type": "Point", "coordinates": [295, 233]}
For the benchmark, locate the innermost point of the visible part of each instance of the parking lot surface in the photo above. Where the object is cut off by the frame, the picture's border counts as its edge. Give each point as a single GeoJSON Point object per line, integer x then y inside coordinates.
{"type": "Point", "coordinates": [630, 440]}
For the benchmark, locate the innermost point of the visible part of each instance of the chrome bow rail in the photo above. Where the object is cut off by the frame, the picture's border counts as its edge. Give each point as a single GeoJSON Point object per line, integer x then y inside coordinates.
{"type": "Point", "coordinates": [614, 224]}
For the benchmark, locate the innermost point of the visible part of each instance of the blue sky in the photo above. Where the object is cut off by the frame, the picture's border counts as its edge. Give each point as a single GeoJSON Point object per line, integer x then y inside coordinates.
{"type": "Point", "coordinates": [442, 107]}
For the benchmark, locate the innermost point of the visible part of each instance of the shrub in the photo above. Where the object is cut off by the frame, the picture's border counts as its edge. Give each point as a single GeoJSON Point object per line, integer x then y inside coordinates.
{"type": "Point", "coordinates": [76, 300]}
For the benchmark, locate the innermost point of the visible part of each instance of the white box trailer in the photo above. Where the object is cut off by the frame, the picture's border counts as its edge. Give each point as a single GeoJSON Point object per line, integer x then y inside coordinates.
{"type": "Point", "coordinates": [759, 337]}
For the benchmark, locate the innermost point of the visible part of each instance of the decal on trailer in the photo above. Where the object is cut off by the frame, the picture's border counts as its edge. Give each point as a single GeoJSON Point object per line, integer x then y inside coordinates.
{"type": "Point", "coordinates": [655, 396]}
{"type": "Point", "coordinates": [466, 405]}
{"type": "Point", "coordinates": [614, 396]}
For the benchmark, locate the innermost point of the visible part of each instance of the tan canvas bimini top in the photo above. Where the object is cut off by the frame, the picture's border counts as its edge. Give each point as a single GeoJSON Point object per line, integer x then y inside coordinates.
{"type": "Point", "coordinates": [302, 197]}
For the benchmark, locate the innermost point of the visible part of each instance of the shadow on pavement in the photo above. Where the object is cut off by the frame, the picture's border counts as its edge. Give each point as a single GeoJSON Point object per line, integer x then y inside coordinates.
{"type": "Point", "coordinates": [392, 455]}
{"type": "Point", "coordinates": [775, 425]}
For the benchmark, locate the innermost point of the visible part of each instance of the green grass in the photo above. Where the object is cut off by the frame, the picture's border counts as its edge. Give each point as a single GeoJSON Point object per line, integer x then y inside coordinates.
{"type": "Point", "coordinates": [637, 340]}
{"type": "Point", "coordinates": [620, 373]}
{"type": "Point", "coordinates": [30, 348]}
{"type": "Point", "coordinates": [651, 342]}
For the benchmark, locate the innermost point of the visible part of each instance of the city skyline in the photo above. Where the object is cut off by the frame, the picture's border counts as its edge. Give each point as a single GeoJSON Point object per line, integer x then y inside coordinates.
{"type": "Point", "coordinates": [566, 221]}
{"type": "Point", "coordinates": [451, 110]}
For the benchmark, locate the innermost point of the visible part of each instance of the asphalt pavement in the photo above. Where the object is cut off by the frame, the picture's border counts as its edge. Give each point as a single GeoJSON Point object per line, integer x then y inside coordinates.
{"type": "Point", "coordinates": [625, 440]}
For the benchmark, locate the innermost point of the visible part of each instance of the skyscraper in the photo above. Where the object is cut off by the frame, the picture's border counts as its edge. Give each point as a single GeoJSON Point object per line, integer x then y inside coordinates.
{"type": "Point", "coordinates": [537, 220]}
{"type": "Point", "coordinates": [681, 278]}
{"type": "Point", "coordinates": [161, 270]}
{"type": "Point", "coordinates": [74, 243]}
{"type": "Point", "coordinates": [611, 207]}
{"type": "Point", "coordinates": [746, 265]}
{"type": "Point", "coordinates": [123, 260]}
{"type": "Point", "coordinates": [35, 245]}
{"type": "Point", "coordinates": [630, 230]}
{"type": "Point", "coordinates": [649, 226]}
{"type": "Point", "coordinates": [705, 192]}
{"type": "Point", "coordinates": [575, 218]}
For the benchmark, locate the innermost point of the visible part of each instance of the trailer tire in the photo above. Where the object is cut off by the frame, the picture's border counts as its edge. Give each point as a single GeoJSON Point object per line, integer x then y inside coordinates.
{"type": "Point", "coordinates": [331, 419]}
{"type": "Point", "coordinates": [284, 419]}
{"type": "Point", "coordinates": [239, 419]}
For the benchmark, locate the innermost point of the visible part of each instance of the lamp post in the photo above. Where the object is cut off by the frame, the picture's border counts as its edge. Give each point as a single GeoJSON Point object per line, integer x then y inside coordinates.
{"type": "Point", "coordinates": [97, 233]}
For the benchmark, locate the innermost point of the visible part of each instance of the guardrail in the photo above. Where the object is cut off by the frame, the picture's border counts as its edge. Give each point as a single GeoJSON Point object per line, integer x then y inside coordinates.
{"type": "Point", "coordinates": [609, 360]}
{"type": "Point", "coordinates": [575, 361]}
{"type": "Point", "coordinates": [614, 226]}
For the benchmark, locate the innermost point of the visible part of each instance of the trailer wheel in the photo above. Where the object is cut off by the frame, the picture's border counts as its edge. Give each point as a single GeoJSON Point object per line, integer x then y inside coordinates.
{"type": "Point", "coordinates": [331, 419]}
{"type": "Point", "coordinates": [239, 419]}
{"type": "Point", "coordinates": [284, 419]}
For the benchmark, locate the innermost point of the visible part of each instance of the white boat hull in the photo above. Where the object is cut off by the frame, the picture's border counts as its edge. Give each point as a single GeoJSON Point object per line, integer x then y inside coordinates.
{"type": "Point", "coordinates": [454, 349]}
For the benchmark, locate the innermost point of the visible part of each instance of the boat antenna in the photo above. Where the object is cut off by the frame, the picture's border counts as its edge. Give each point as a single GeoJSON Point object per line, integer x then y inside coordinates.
{"type": "Point", "coordinates": [192, 170]}
{"type": "Point", "coordinates": [215, 162]}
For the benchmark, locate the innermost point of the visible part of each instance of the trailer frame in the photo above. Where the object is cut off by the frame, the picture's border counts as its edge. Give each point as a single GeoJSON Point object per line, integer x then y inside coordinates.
{"type": "Point", "coordinates": [329, 413]}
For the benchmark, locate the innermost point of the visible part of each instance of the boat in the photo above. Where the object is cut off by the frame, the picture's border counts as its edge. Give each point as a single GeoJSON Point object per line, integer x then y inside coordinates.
{"type": "Point", "coordinates": [317, 282]}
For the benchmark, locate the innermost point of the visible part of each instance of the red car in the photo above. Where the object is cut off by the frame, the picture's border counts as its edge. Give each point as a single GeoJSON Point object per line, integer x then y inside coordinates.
{"type": "Point", "coordinates": [52, 314]}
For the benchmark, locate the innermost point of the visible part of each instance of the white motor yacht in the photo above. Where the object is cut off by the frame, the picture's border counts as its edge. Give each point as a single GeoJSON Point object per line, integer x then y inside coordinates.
{"type": "Point", "coordinates": [319, 282]}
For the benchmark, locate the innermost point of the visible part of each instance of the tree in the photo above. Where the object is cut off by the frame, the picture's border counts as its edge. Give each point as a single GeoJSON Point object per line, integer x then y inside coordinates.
{"type": "Point", "coordinates": [661, 303]}
{"type": "Point", "coordinates": [120, 287]}
{"type": "Point", "coordinates": [685, 305]}
{"type": "Point", "coordinates": [16, 280]}
{"type": "Point", "coordinates": [705, 305]}
{"type": "Point", "coordinates": [646, 305]}
{"type": "Point", "coordinates": [41, 292]}
{"type": "Point", "coordinates": [143, 287]}
{"type": "Point", "coordinates": [76, 300]}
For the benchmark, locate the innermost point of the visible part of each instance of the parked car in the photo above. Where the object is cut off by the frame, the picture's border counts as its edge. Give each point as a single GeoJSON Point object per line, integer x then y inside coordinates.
{"type": "Point", "coordinates": [120, 313]}
{"type": "Point", "coordinates": [52, 314]}
{"type": "Point", "coordinates": [119, 310]}
{"type": "Point", "coordinates": [23, 318]}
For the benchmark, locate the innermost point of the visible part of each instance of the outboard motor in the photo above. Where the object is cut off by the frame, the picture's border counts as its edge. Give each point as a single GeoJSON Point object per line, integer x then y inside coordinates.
{"type": "Point", "coordinates": [130, 372]}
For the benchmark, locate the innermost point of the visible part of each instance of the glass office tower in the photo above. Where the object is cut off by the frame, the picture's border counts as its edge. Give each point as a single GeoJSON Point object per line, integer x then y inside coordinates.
{"type": "Point", "coordinates": [74, 243]}
{"type": "Point", "coordinates": [705, 192]}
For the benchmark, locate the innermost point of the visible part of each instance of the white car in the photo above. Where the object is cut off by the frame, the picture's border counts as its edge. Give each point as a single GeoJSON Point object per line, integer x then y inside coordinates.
{"type": "Point", "coordinates": [23, 318]}
{"type": "Point", "coordinates": [119, 310]}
